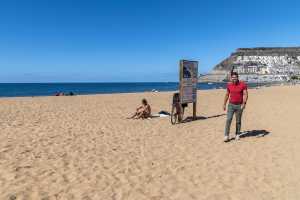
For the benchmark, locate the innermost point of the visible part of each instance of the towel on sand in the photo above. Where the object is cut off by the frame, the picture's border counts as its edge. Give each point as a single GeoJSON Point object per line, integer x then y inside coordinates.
{"type": "Point", "coordinates": [161, 114]}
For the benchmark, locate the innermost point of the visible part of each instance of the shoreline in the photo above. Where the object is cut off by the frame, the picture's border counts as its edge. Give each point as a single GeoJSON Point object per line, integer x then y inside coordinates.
{"type": "Point", "coordinates": [221, 85]}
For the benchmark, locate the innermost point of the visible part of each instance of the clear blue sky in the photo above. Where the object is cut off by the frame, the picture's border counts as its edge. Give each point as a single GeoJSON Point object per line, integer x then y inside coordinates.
{"type": "Point", "coordinates": [133, 40]}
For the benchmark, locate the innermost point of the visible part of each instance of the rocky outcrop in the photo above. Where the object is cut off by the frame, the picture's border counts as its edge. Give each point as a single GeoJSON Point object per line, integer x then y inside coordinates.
{"type": "Point", "coordinates": [279, 57]}
{"type": "Point", "coordinates": [260, 61]}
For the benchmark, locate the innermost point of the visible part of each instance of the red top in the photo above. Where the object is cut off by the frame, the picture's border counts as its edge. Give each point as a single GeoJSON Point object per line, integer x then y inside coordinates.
{"type": "Point", "coordinates": [236, 92]}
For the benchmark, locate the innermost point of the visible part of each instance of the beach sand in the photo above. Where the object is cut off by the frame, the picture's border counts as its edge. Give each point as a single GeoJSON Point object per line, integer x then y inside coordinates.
{"type": "Point", "coordinates": [82, 147]}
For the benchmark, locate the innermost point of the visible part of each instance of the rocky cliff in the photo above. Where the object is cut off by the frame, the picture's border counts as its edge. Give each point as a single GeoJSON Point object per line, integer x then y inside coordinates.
{"type": "Point", "coordinates": [271, 58]}
{"type": "Point", "coordinates": [258, 61]}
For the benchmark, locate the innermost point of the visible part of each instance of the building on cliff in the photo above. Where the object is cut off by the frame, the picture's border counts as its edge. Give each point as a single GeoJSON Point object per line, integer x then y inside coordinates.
{"type": "Point", "coordinates": [259, 62]}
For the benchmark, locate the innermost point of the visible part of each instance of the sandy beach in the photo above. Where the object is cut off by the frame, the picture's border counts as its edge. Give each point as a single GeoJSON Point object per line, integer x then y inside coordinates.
{"type": "Point", "coordinates": [83, 147]}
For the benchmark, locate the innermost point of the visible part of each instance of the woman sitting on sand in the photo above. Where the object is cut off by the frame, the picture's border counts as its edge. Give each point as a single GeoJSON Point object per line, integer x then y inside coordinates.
{"type": "Point", "coordinates": [143, 111]}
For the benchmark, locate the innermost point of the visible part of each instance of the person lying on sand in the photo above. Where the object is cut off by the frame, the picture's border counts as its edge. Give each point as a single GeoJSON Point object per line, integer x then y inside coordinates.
{"type": "Point", "coordinates": [59, 94]}
{"type": "Point", "coordinates": [143, 111]}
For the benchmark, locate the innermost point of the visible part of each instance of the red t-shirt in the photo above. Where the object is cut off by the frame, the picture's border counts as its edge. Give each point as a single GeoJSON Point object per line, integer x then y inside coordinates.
{"type": "Point", "coordinates": [236, 92]}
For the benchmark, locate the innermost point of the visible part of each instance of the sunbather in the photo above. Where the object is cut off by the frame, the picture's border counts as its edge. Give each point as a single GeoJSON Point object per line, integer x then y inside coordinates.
{"type": "Point", "coordinates": [143, 111]}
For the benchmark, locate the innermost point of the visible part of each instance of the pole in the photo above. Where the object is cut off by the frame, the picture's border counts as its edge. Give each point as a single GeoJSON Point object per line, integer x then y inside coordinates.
{"type": "Point", "coordinates": [194, 110]}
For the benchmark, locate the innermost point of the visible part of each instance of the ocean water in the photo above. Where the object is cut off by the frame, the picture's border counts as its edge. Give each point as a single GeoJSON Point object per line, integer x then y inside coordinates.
{"type": "Point", "coordinates": [49, 89]}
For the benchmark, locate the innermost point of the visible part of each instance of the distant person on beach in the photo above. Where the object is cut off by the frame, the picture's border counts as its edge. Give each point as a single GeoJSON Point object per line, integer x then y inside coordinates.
{"type": "Point", "coordinates": [143, 112]}
{"type": "Point", "coordinates": [59, 94]}
{"type": "Point", "coordinates": [64, 94]}
{"type": "Point", "coordinates": [238, 96]}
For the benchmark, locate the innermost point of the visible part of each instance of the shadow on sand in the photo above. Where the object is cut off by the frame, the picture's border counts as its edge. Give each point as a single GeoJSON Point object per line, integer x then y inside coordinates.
{"type": "Point", "coordinates": [254, 133]}
{"type": "Point", "coordinates": [190, 119]}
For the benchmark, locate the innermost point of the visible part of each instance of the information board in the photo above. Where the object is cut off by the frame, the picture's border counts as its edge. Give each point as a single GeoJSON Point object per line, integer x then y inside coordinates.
{"type": "Point", "coordinates": [188, 81]}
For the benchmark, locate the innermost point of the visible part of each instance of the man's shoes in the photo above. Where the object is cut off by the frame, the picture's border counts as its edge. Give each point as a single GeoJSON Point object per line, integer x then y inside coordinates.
{"type": "Point", "coordinates": [237, 137]}
{"type": "Point", "coordinates": [226, 139]}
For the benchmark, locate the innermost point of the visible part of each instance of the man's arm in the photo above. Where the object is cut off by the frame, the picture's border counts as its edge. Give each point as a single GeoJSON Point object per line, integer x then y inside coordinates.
{"type": "Point", "coordinates": [138, 108]}
{"type": "Point", "coordinates": [225, 100]}
{"type": "Point", "coordinates": [245, 98]}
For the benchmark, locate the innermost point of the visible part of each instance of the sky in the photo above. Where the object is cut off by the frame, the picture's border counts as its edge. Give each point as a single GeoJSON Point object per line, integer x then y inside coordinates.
{"type": "Point", "coordinates": [134, 40]}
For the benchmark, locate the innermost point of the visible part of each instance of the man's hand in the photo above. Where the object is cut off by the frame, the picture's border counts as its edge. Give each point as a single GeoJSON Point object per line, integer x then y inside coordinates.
{"type": "Point", "coordinates": [243, 106]}
{"type": "Point", "coordinates": [225, 100]}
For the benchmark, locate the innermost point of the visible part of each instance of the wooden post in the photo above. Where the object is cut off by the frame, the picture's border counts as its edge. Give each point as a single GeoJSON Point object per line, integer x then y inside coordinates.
{"type": "Point", "coordinates": [194, 110]}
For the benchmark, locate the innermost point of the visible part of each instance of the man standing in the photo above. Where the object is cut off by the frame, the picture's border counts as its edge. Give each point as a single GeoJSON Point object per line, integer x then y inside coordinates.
{"type": "Point", "coordinates": [238, 95]}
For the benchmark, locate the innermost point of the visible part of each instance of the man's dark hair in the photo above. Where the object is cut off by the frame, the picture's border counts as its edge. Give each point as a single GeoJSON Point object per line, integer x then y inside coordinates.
{"type": "Point", "coordinates": [234, 73]}
{"type": "Point", "coordinates": [144, 101]}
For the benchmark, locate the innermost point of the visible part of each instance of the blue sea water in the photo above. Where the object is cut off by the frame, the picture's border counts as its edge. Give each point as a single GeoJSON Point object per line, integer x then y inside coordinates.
{"type": "Point", "coordinates": [49, 89]}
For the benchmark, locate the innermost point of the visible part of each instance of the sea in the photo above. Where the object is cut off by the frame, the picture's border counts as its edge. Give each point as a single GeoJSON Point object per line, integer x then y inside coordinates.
{"type": "Point", "coordinates": [50, 89]}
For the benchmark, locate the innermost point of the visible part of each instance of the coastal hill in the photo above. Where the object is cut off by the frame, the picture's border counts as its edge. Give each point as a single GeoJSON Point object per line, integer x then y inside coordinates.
{"type": "Point", "coordinates": [274, 64]}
